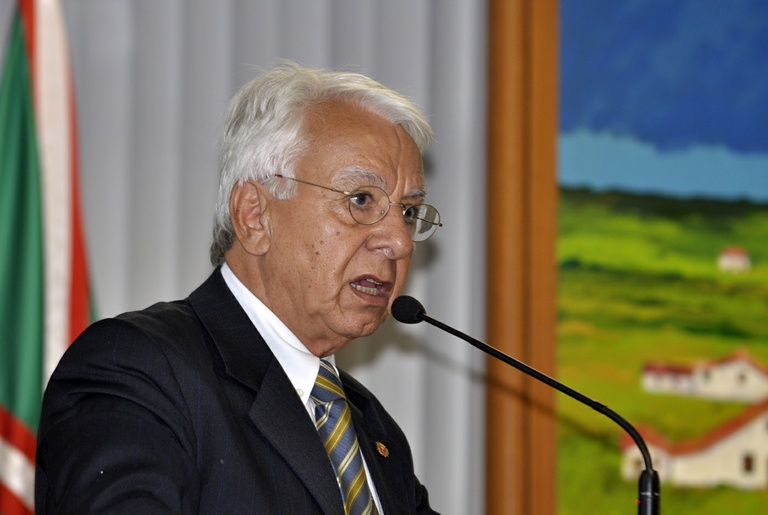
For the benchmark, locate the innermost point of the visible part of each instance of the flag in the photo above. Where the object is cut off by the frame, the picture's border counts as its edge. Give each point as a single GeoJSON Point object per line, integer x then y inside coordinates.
{"type": "Point", "coordinates": [44, 299]}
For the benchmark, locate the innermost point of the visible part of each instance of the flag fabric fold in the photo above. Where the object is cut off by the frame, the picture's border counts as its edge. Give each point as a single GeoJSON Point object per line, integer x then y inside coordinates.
{"type": "Point", "coordinates": [44, 300]}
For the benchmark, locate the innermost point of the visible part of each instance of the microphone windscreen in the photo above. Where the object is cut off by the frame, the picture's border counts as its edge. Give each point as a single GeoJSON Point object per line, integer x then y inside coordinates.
{"type": "Point", "coordinates": [407, 310]}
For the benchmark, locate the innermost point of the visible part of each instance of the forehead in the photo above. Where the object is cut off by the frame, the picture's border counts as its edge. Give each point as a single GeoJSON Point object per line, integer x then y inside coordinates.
{"type": "Point", "coordinates": [343, 139]}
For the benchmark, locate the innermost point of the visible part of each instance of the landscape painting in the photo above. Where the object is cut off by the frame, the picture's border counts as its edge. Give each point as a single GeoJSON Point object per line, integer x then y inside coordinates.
{"type": "Point", "coordinates": [663, 253]}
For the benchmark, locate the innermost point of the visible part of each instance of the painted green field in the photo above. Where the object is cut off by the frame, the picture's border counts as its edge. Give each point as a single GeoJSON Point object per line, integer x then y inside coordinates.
{"type": "Point", "coordinates": [639, 281]}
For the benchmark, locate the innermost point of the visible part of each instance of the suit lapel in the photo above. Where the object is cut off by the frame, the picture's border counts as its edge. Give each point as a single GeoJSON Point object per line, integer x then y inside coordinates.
{"type": "Point", "coordinates": [291, 432]}
{"type": "Point", "coordinates": [385, 464]}
{"type": "Point", "coordinates": [277, 412]}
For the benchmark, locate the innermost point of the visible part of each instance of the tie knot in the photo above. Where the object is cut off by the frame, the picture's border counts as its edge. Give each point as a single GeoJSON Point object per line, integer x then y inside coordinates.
{"type": "Point", "coordinates": [327, 385]}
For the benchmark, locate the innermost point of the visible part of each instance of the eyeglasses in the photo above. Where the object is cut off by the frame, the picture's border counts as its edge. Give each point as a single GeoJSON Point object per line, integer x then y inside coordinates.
{"type": "Point", "coordinates": [369, 204]}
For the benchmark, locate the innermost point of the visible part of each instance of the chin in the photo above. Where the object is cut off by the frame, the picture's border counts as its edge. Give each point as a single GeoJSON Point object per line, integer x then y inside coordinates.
{"type": "Point", "coordinates": [366, 329]}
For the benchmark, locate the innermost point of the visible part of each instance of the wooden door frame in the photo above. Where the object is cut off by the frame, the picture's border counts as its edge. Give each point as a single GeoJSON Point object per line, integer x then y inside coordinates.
{"type": "Point", "coordinates": [521, 267]}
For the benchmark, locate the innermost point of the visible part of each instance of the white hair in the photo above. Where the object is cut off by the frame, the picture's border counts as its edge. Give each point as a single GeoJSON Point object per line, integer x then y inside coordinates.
{"type": "Point", "coordinates": [263, 136]}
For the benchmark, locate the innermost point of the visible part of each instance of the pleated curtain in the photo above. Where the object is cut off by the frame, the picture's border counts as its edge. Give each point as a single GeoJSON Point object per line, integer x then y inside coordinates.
{"type": "Point", "coordinates": [153, 79]}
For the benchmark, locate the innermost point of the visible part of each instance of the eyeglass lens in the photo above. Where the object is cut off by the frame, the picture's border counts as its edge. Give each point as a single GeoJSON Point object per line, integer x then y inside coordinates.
{"type": "Point", "coordinates": [370, 204]}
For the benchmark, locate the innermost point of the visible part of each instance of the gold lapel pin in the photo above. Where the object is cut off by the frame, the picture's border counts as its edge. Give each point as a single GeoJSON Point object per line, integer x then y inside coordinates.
{"type": "Point", "coordinates": [382, 449]}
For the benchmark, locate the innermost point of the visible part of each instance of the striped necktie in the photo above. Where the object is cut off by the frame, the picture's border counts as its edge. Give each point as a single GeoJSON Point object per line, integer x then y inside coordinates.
{"type": "Point", "coordinates": [334, 424]}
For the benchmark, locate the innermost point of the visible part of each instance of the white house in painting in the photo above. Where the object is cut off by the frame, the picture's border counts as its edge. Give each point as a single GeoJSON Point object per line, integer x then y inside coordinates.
{"type": "Point", "coordinates": [734, 259]}
{"type": "Point", "coordinates": [737, 377]}
{"type": "Point", "coordinates": [734, 454]}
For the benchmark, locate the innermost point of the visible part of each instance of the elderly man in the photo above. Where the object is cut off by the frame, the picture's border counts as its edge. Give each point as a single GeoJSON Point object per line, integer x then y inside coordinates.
{"type": "Point", "coordinates": [229, 401]}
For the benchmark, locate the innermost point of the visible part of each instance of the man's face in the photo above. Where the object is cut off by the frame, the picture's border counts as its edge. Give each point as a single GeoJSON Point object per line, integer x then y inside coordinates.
{"type": "Point", "coordinates": [329, 278]}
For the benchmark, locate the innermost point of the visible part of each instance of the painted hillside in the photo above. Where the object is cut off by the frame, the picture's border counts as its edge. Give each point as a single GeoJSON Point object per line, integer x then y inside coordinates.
{"type": "Point", "coordinates": [639, 284]}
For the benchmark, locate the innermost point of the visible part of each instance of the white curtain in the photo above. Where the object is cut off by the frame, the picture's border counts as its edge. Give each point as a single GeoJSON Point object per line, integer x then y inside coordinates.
{"type": "Point", "coordinates": [153, 79]}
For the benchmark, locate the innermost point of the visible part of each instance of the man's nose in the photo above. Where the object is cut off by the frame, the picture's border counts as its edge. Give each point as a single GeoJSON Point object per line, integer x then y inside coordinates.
{"type": "Point", "coordinates": [392, 235]}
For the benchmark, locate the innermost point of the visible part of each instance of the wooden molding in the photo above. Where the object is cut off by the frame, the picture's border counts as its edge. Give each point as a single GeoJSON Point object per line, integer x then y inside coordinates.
{"type": "Point", "coordinates": [521, 285]}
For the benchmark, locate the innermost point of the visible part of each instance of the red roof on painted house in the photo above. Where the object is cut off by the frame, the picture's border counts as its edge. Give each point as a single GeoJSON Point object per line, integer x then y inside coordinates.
{"type": "Point", "coordinates": [737, 355]}
{"type": "Point", "coordinates": [734, 250]}
{"type": "Point", "coordinates": [677, 369]}
{"type": "Point", "coordinates": [668, 368]}
{"type": "Point", "coordinates": [656, 439]}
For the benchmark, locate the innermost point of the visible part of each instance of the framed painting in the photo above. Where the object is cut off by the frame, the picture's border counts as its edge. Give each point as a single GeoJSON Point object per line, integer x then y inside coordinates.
{"type": "Point", "coordinates": [663, 252]}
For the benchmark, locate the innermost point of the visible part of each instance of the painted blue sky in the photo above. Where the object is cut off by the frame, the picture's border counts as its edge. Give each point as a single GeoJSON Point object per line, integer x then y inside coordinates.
{"type": "Point", "coordinates": [673, 77]}
{"type": "Point", "coordinates": [670, 72]}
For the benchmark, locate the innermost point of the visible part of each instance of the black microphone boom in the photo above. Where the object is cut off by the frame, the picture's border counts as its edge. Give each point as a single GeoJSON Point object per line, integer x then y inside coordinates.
{"type": "Point", "coordinates": [408, 310]}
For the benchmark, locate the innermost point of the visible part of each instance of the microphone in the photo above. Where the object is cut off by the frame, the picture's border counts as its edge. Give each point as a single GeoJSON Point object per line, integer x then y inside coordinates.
{"type": "Point", "coordinates": [408, 310]}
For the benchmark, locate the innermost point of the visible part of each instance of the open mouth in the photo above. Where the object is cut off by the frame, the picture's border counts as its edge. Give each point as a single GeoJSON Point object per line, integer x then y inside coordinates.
{"type": "Point", "coordinates": [370, 286]}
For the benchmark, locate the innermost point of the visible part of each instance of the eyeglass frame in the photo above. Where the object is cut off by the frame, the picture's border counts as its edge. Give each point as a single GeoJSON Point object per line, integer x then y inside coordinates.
{"type": "Point", "coordinates": [350, 194]}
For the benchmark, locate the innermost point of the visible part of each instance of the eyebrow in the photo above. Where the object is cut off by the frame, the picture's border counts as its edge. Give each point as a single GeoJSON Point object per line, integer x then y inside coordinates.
{"type": "Point", "coordinates": [352, 178]}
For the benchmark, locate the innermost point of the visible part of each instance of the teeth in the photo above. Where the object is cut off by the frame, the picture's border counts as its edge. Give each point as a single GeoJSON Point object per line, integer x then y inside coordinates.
{"type": "Point", "coordinates": [369, 291]}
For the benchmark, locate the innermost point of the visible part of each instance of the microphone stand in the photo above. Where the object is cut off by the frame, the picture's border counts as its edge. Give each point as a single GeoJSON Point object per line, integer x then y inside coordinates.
{"type": "Point", "coordinates": [649, 498]}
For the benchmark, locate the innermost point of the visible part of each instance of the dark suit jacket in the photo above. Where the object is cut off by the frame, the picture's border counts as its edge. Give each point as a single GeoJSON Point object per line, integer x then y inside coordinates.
{"type": "Point", "coordinates": [182, 408]}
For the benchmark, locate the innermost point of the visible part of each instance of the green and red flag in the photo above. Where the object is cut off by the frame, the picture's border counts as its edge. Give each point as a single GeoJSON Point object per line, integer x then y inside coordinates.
{"type": "Point", "coordinates": [44, 299]}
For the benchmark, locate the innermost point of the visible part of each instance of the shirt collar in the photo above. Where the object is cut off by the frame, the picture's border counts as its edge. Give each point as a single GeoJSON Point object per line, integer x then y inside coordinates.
{"type": "Point", "coordinates": [300, 365]}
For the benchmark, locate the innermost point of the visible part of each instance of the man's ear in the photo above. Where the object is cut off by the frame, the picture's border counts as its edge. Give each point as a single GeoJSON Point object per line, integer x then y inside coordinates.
{"type": "Point", "coordinates": [249, 212]}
